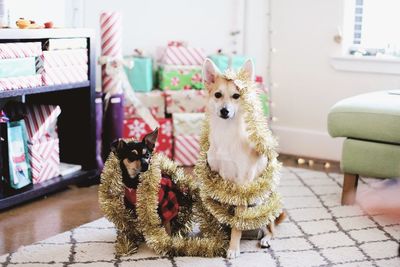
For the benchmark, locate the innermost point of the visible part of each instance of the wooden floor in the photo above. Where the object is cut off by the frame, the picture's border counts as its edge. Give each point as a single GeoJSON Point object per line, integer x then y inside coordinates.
{"type": "Point", "coordinates": [62, 211]}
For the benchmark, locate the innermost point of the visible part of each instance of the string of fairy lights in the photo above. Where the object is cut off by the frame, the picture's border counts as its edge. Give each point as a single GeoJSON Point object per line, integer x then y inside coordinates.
{"type": "Point", "coordinates": [271, 85]}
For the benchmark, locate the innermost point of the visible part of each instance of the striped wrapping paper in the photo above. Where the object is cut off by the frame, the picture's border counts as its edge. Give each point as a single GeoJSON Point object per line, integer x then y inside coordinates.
{"type": "Point", "coordinates": [185, 101]}
{"type": "Point", "coordinates": [45, 159]}
{"type": "Point", "coordinates": [183, 55]}
{"type": "Point", "coordinates": [41, 122]}
{"type": "Point", "coordinates": [186, 149]}
{"type": "Point", "coordinates": [62, 58]}
{"type": "Point", "coordinates": [20, 50]}
{"type": "Point", "coordinates": [111, 45]}
{"type": "Point", "coordinates": [64, 75]}
{"type": "Point", "coordinates": [65, 43]}
{"type": "Point", "coordinates": [20, 82]}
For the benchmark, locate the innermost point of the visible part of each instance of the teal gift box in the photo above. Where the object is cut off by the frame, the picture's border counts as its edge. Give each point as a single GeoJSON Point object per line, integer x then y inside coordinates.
{"type": "Point", "coordinates": [141, 75]}
{"type": "Point", "coordinates": [224, 62]}
{"type": "Point", "coordinates": [15, 67]}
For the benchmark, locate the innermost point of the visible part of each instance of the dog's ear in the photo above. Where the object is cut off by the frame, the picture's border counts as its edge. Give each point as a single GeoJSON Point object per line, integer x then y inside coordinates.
{"type": "Point", "coordinates": [248, 67]}
{"type": "Point", "coordinates": [210, 71]}
{"type": "Point", "coordinates": [150, 139]}
{"type": "Point", "coordinates": [118, 146]}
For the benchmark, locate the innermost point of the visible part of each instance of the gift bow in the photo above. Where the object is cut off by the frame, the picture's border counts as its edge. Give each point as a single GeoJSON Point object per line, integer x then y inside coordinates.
{"type": "Point", "coordinates": [177, 43]}
{"type": "Point", "coordinates": [114, 67]}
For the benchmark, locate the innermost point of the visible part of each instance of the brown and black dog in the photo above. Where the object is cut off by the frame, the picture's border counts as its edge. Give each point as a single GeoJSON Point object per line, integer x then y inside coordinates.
{"type": "Point", "coordinates": [135, 157]}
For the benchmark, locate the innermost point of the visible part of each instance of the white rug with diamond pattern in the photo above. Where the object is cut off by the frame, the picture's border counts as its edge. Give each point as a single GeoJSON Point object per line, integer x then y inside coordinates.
{"type": "Point", "coordinates": [318, 232]}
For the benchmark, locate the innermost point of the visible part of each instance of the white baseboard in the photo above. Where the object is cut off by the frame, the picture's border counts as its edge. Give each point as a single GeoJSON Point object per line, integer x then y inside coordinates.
{"type": "Point", "coordinates": [308, 143]}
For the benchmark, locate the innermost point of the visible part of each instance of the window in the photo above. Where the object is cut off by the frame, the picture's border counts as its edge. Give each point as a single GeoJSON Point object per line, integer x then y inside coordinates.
{"type": "Point", "coordinates": [376, 27]}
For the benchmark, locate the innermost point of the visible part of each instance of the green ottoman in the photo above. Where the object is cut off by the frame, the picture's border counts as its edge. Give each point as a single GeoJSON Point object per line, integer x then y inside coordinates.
{"type": "Point", "coordinates": [371, 125]}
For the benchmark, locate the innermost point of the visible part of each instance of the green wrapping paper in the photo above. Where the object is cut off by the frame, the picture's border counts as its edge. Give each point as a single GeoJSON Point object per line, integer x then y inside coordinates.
{"type": "Point", "coordinates": [18, 172]}
{"type": "Point", "coordinates": [264, 98]}
{"type": "Point", "coordinates": [180, 77]}
{"type": "Point", "coordinates": [16, 67]}
{"type": "Point", "coordinates": [141, 75]}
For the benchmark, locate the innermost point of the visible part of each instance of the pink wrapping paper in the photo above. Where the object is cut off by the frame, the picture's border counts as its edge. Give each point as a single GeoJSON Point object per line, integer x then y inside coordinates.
{"type": "Point", "coordinates": [20, 50]}
{"type": "Point", "coordinates": [45, 160]}
{"type": "Point", "coordinates": [20, 82]}
{"type": "Point", "coordinates": [186, 149]}
{"type": "Point", "coordinates": [62, 58]}
{"type": "Point", "coordinates": [186, 101]}
{"type": "Point", "coordinates": [111, 44]}
{"type": "Point", "coordinates": [41, 122]}
{"type": "Point", "coordinates": [178, 53]}
{"type": "Point", "coordinates": [64, 75]}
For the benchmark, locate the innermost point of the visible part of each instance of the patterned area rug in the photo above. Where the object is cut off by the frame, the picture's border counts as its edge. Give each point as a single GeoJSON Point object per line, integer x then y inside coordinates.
{"type": "Point", "coordinates": [318, 232]}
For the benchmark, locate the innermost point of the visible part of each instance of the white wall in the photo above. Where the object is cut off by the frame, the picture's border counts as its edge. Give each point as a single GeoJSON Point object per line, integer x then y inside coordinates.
{"type": "Point", "coordinates": [203, 23]}
{"type": "Point", "coordinates": [307, 86]}
{"type": "Point", "coordinates": [39, 11]}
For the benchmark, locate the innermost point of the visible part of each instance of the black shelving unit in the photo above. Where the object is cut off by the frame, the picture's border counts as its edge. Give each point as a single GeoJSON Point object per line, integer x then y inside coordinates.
{"type": "Point", "coordinates": [76, 123]}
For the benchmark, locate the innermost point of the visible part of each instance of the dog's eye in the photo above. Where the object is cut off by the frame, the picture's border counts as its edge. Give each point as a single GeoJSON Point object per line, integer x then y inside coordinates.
{"type": "Point", "coordinates": [218, 95]}
{"type": "Point", "coordinates": [235, 96]}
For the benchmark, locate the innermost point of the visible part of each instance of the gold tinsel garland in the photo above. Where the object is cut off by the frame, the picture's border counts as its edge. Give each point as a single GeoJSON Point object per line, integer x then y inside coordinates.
{"type": "Point", "coordinates": [111, 200]}
{"type": "Point", "coordinates": [220, 197]}
{"type": "Point", "coordinates": [149, 220]}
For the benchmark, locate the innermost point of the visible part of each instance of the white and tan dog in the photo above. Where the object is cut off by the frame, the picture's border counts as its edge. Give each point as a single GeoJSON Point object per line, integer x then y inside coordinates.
{"type": "Point", "coordinates": [230, 153]}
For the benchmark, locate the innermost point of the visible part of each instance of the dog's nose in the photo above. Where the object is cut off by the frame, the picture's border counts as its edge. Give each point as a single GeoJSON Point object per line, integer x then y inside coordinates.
{"type": "Point", "coordinates": [224, 112]}
{"type": "Point", "coordinates": [144, 165]}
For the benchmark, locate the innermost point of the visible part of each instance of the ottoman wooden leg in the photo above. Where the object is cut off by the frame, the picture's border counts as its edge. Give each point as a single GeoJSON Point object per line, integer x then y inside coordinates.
{"type": "Point", "coordinates": [349, 189]}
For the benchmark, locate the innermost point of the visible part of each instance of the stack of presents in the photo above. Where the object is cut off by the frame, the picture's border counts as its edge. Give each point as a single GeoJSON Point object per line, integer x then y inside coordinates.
{"type": "Point", "coordinates": [29, 144]}
{"type": "Point", "coordinates": [34, 64]}
{"type": "Point", "coordinates": [29, 150]}
{"type": "Point", "coordinates": [179, 102]}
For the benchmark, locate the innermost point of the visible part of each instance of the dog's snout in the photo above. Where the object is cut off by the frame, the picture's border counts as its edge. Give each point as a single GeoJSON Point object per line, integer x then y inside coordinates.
{"type": "Point", "coordinates": [224, 112]}
{"type": "Point", "coordinates": [144, 165]}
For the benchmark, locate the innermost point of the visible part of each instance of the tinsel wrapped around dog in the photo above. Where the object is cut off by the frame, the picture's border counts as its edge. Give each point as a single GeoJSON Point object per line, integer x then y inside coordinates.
{"type": "Point", "coordinates": [222, 197]}
{"type": "Point", "coordinates": [146, 225]}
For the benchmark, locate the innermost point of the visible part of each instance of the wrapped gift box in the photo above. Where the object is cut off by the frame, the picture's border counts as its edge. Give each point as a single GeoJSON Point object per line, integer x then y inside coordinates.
{"type": "Point", "coordinates": [65, 43]}
{"type": "Point", "coordinates": [177, 53]}
{"type": "Point", "coordinates": [15, 67]}
{"type": "Point", "coordinates": [41, 122]}
{"type": "Point", "coordinates": [20, 50]}
{"type": "Point", "coordinates": [173, 77]}
{"type": "Point", "coordinates": [65, 75]}
{"type": "Point", "coordinates": [186, 149]}
{"type": "Point", "coordinates": [43, 143]}
{"type": "Point", "coordinates": [224, 62]}
{"type": "Point", "coordinates": [61, 58]}
{"type": "Point", "coordinates": [153, 100]}
{"type": "Point", "coordinates": [45, 159]}
{"type": "Point", "coordinates": [21, 82]}
{"type": "Point", "coordinates": [186, 101]}
{"type": "Point", "coordinates": [187, 123]}
{"type": "Point", "coordinates": [141, 75]}
{"type": "Point", "coordinates": [137, 128]}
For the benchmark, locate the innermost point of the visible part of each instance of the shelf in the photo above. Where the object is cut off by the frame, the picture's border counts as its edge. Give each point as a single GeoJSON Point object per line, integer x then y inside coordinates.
{"type": "Point", "coordinates": [43, 89]}
{"type": "Point", "coordinates": [46, 187]}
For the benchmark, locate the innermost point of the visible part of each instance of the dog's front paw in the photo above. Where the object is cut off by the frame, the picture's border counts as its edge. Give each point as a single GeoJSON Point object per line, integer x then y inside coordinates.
{"type": "Point", "coordinates": [264, 242]}
{"type": "Point", "coordinates": [232, 253]}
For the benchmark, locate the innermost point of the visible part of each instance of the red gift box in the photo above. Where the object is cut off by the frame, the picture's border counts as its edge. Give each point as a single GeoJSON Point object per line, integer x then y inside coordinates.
{"type": "Point", "coordinates": [186, 149]}
{"type": "Point", "coordinates": [137, 128]}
